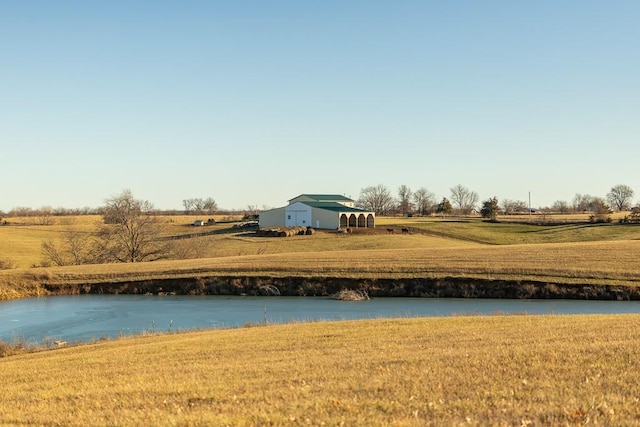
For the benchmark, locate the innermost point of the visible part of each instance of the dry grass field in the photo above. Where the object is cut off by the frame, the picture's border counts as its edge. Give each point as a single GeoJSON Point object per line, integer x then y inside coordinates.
{"type": "Point", "coordinates": [606, 262]}
{"type": "Point", "coordinates": [496, 370]}
{"type": "Point", "coordinates": [21, 241]}
{"type": "Point", "coordinates": [568, 253]}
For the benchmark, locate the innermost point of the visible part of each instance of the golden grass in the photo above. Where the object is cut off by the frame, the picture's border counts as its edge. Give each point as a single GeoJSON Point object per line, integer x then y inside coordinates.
{"type": "Point", "coordinates": [510, 233]}
{"type": "Point", "coordinates": [322, 241]}
{"type": "Point", "coordinates": [612, 262]}
{"type": "Point", "coordinates": [183, 224]}
{"type": "Point", "coordinates": [536, 217]}
{"type": "Point", "coordinates": [603, 254]}
{"type": "Point", "coordinates": [21, 242]}
{"type": "Point", "coordinates": [514, 370]}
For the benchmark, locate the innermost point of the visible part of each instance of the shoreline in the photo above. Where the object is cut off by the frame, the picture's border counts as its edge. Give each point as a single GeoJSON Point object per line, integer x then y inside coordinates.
{"type": "Point", "coordinates": [448, 287]}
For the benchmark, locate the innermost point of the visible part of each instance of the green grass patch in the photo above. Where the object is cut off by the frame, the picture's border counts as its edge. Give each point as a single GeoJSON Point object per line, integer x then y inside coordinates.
{"type": "Point", "coordinates": [514, 233]}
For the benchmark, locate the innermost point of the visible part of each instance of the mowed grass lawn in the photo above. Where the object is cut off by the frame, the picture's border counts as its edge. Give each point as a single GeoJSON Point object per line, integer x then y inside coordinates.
{"type": "Point", "coordinates": [496, 370]}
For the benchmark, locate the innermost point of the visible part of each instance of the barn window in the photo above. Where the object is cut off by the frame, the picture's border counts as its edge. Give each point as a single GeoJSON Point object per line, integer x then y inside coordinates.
{"type": "Point", "coordinates": [288, 216]}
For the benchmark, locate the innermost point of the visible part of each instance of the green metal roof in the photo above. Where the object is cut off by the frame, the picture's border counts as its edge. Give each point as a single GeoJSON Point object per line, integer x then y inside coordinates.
{"type": "Point", "coordinates": [334, 206]}
{"type": "Point", "coordinates": [325, 197]}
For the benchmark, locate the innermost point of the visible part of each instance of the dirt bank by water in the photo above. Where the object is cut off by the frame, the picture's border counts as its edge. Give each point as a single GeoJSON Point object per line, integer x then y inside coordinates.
{"type": "Point", "coordinates": [324, 286]}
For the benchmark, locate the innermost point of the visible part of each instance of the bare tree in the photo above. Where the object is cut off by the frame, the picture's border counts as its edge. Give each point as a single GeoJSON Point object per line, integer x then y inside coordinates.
{"type": "Point", "coordinates": [210, 205]}
{"type": "Point", "coordinates": [87, 210]}
{"type": "Point", "coordinates": [80, 245]}
{"type": "Point", "coordinates": [424, 200]}
{"type": "Point", "coordinates": [44, 215]}
{"type": "Point", "coordinates": [21, 211]}
{"type": "Point", "coordinates": [376, 198]}
{"type": "Point", "coordinates": [620, 197]}
{"type": "Point", "coordinates": [52, 253]}
{"type": "Point", "coordinates": [513, 206]}
{"type": "Point", "coordinates": [131, 231]}
{"type": "Point", "coordinates": [581, 202]}
{"type": "Point", "coordinates": [198, 205]}
{"type": "Point", "coordinates": [75, 248]}
{"type": "Point", "coordinates": [251, 210]}
{"type": "Point", "coordinates": [404, 199]}
{"type": "Point", "coordinates": [188, 205]}
{"type": "Point", "coordinates": [560, 206]}
{"type": "Point", "coordinates": [62, 211]}
{"type": "Point", "coordinates": [464, 198]}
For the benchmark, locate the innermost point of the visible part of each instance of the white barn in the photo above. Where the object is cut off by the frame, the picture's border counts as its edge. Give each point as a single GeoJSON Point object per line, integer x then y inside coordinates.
{"type": "Point", "coordinates": [327, 211]}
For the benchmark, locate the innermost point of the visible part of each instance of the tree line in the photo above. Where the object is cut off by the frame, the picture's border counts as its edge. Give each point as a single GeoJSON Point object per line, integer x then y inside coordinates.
{"type": "Point", "coordinates": [45, 215]}
{"type": "Point", "coordinates": [461, 200]}
{"type": "Point", "coordinates": [131, 230]}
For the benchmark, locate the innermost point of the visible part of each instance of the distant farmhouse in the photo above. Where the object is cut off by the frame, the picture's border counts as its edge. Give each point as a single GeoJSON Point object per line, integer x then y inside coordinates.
{"type": "Point", "coordinates": [328, 211]}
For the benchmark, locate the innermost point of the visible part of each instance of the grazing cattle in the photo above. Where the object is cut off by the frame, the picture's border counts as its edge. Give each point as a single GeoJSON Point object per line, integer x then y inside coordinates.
{"type": "Point", "coordinates": [390, 230]}
{"type": "Point", "coordinates": [405, 231]}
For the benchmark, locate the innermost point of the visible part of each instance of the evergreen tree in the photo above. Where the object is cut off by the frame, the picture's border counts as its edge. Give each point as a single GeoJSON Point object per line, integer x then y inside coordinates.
{"type": "Point", "coordinates": [444, 207]}
{"type": "Point", "coordinates": [490, 209]}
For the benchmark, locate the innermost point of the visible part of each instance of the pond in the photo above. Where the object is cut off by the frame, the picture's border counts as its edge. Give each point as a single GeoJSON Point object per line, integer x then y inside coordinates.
{"type": "Point", "coordinates": [83, 318]}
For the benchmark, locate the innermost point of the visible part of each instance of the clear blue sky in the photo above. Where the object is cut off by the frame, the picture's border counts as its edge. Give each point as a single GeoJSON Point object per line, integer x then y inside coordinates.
{"type": "Point", "coordinates": [255, 102]}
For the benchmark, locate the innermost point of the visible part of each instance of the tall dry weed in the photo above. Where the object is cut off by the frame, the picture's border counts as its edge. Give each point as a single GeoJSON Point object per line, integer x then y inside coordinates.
{"type": "Point", "coordinates": [7, 264]}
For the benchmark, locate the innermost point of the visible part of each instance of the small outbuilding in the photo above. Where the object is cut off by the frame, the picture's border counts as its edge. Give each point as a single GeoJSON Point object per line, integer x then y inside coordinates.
{"type": "Point", "coordinates": [327, 211]}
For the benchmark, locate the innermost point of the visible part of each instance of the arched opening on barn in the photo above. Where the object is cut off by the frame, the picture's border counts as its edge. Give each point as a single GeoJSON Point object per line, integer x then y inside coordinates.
{"type": "Point", "coordinates": [343, 220]}
{"type": "Point", "coordinates": [371, 221]}
{"type": "Point", "coordinates": [352, 220]}
{"type": "Point", "coordinates": [362, 221]}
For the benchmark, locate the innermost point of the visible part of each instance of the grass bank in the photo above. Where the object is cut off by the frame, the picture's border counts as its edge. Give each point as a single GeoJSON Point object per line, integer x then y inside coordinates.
{"type": "Point", "coordinates": [498, 370]}
{"type": "Point", "coordinates": [612, 263]}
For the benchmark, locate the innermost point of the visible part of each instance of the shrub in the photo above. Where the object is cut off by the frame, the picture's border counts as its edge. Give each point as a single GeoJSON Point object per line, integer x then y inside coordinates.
{"type": "Point", "coordinates": [8, 349]}
{"type": "Point", "coordinates": [6, 264]}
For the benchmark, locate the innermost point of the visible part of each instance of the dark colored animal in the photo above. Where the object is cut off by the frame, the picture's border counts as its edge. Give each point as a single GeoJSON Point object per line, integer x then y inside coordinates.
{"type": "Point", "coordinates": [390, 230]}
{"type": "Point", "coordinates": [405, 231]}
